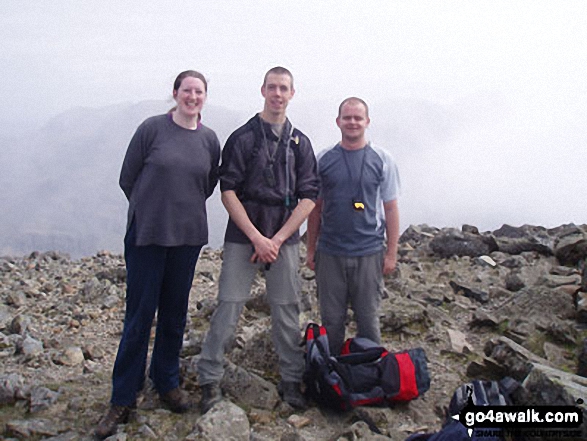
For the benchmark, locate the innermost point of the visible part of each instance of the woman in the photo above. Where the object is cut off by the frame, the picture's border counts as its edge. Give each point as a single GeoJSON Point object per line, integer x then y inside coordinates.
{"type": "Point", "coordinates": [170, 169]}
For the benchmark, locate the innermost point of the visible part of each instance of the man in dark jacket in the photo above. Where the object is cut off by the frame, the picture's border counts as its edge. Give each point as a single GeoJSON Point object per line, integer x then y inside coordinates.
{"type": "Point", "coordinates": [269, 183]}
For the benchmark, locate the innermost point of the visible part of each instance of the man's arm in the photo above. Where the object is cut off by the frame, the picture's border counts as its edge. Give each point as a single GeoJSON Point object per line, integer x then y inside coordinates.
{"type": "Point", "coordinates": [312, 233]}
{"type": "Point", "coordinates": [392, 231]}
{"type": "Point", "coordinates": [266, 250]}
{"type": "Point", "coordinates": [297, 218]}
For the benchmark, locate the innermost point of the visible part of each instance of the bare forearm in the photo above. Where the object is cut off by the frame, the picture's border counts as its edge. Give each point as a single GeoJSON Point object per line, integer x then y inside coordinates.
{"type": "Point", "coordinates": [297, 218]}
{"type": "Point", "coordinates": [392, 226]}
{"type": "Point", "coordinates": [314, 220]}
{"type": "Point", "coordinates": [239, 216]}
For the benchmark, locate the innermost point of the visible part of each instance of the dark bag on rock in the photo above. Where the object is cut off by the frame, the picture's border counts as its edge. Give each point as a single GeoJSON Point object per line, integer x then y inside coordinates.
{"type": "Point", "coordinates": [478, 393]}
{"type": "Point", "coordinates": [364, 374]}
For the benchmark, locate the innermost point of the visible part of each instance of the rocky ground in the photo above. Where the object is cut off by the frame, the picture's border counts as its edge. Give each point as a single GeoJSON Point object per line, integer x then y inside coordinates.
{"type": "Point", "coordinates": [482, 305]}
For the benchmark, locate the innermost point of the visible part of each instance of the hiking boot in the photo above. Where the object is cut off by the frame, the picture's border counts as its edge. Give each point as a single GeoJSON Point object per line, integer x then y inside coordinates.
{"type": "Point", "coordinates": [176, 400]}
{"type": "Point", "coordinates": [291, 393]}
{"type": "Point", "coordinates": [109, 422]}
{"type": "Point", "coordinates": [211, 395]}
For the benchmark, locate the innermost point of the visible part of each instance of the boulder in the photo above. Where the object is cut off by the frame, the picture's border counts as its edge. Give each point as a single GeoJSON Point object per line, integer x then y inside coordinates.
{"type": "Point", "coordinates": [225, 421]}
{"type": "Point", "coordinates": [248, 388]}
{"type": "Point", "coordinates": [571, 248]}
{"type": "Point", "coordinates": [451, 242]}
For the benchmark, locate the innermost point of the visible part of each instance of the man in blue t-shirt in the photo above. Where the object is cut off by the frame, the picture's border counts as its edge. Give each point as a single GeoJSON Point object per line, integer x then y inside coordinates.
{"type": "Point", "coordinates": [354, 214]}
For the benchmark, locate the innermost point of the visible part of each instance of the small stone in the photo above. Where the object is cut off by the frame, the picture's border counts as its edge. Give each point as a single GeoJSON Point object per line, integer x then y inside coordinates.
{"type": "Point", "coordinates": [298, 421]}
{"type": "Point", "coordinates": [31, 347]}
{"type": "Point", "coordinates": [458, 341]}
{"type": "Point", "coordinates": [16, 299]}
{"type": "Point", "coordinates": [72, 356]}
{"type": "Point", "coordinates": [110, 301]}
{"type": "Point", "coordinates": [486, 261]}
{"type": "Point", "coordinates": [513, 282]}
{"type": "Point", "coordinates": [42, 398]}
{"type": "Point", "coordinates": [19, 325]}
{"type": "Point", "coordinates": [93, 352]}
{"type": "Point", "coordinates": [147, 432]}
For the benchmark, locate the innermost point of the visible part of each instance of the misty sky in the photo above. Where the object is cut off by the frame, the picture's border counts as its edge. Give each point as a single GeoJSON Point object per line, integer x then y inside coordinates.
{"type": "Point", "coordinates": [507, 78]}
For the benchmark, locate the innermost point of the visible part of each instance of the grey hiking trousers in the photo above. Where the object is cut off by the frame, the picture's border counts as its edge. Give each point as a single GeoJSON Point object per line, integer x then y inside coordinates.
{"type": "Point", "coordinates": [283, 286]}
{"type": "Point", "coordinates": [342, 280]}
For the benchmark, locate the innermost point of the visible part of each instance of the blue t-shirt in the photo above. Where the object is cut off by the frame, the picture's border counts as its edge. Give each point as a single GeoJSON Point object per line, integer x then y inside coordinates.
{"type": "Point", "coordinates": [367, 176]}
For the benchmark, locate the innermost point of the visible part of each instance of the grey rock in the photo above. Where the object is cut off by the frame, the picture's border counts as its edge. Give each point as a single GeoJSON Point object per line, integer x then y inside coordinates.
{"type": "Point", "coordinates": [554, 281]}
{"type": "Point", "coordinates": [248, 388]}
{"type": "Point", "coordinates": [360, 431]}
{"type": "Point", "coordinates": [403, 315]}
{"type": "Point", "coordinates": [513, 282]}
{"type": "Point", "coordinates": [146, 432]}
{"type": "Point", "coordinates": [378, 419]}
{"type": "Point", "coordinates": [458, 341]}
{"type": "Point", "coordinates": [561, 332]}
{"type": "Point", "coordinates": [418, 307]}
{"type": "Point", "coordinates": [519, 246]}
{"type": "Point", "coordinates": [549, 386]}
{"type": "Point", "coordinates": [207, 269]}
{"type": "Point", "coordinates": [31, 428]}
{"type": "Point", "coordinates": [580, 303]}
{"type": "Point", "coordinates": [582, 364]}
{"type": "Point", "coordinates": [11, 387]}
{"type": "Point", "coordinates": [16, 299]}
{"type": "Point", "coordinates": [516, 360]}
{"type": "Point", "coordinates": [19, 324]}
{"type": "Point", "coordinates": [115, 275]}
{"type": "Point", "coordinates": [93, 289]}
{"type": "Point", "coordinates": [206, 307]}
{"type": "Point", "coordinates": [555, 354]}
{"type": "Point", "coordinates": [482, 319]}
{"type": "Point", "coordinates": [31, 347]}
{"type": "Point", "coordinates": [486, 261]}
{"type": "Point", "coordinates": [416, 234]}
{"type": "Point", "coordinates": [71, 356]}
{"type": "Point", "coordinates": [42, 398]}
{"type": "Point", "coordinates": [5, 316]}
{"type": "Point", "coordinates": [225, 421]}
{"type": "Point", "coordinates": [563, 270]}
{"type": "Point", "coordinates": [68, 436]}
{"type": "Point", "coordinates": [469, 229]}
{"type": "Point", "coordinates": [253, 349]}
{"type": "Point", "coordinates": [517, 240]}
{"type": "Point", "coordinates": [451, 242]}
{"type": "Point", "coordinates": [111, 301]}
{"type": "Point", "coordinates": [93, 352]}
{"type": "Point", "coordinates": [570, 249]}
{"type": "Point", "coordinates": [510, 231]}
{"type": "Point", "coordinates": [120, 436]}
{"type": "Point", "coordinates": [472, 293]}
{"type": "Point", "coordinates": [5, 342]}
{"type": "Point", "coordinates": [259, 304]}
{"type": "Point", "coordinates": [513, 262]}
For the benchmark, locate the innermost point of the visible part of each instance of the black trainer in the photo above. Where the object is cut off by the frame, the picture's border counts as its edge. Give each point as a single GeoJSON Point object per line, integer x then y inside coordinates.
{"type": "Point", "coordinates": [291, 393]}
{"type": "Point", "coordinates": [211, 395]}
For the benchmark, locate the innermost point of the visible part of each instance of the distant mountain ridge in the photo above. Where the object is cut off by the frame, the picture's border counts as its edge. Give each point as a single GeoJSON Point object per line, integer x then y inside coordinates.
{"type": "Point", "coordinates": [459, 163]}
{"type": "Point", "coordinates": [61, 184]}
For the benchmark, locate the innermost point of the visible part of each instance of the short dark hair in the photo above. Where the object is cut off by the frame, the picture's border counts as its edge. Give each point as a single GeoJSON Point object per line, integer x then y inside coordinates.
{"type": "Point", "coordinates": [353, 100]}
{"type": "Point", "coordinates": [278, 70]}
{"type": "Point", "coordinates": [189, 73]}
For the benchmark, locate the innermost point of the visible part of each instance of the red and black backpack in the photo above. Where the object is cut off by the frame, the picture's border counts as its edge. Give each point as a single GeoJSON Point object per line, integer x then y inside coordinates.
{"type": "Point", "coordinates": [363, 374]}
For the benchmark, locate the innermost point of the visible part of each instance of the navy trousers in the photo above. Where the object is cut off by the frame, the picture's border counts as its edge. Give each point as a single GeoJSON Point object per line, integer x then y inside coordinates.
{"type": "Point", "coordinates": [159, 280]}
